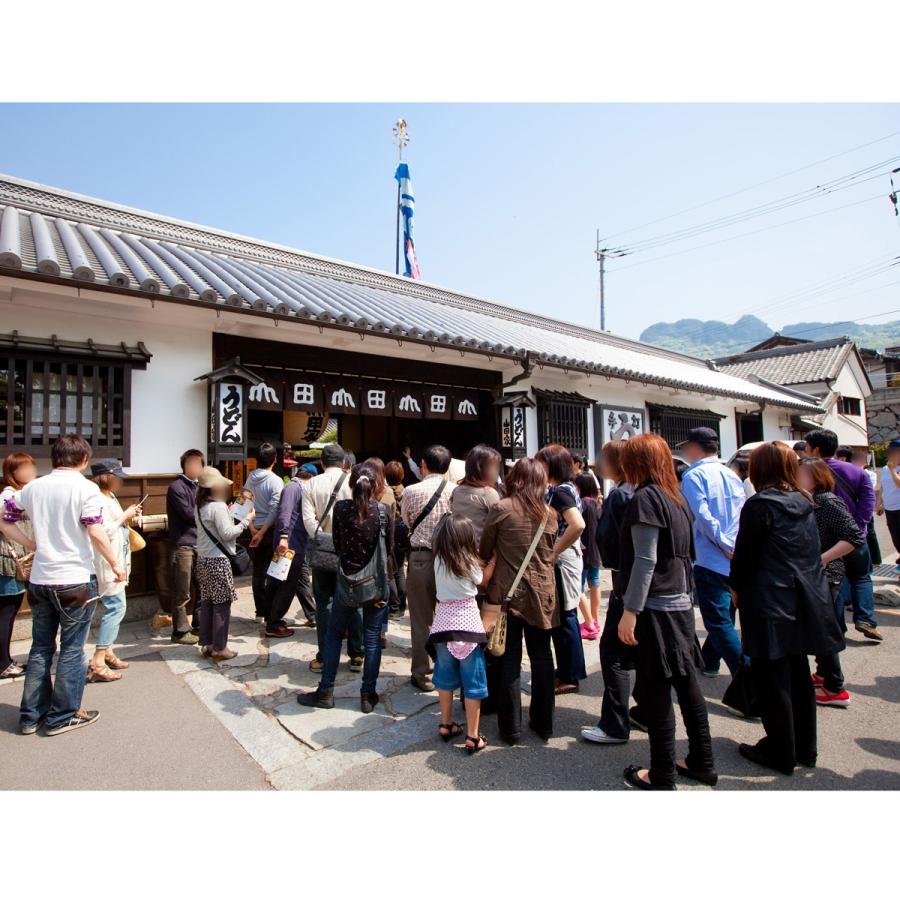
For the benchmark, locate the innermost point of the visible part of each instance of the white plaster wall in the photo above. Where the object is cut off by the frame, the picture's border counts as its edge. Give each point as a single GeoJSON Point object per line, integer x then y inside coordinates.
{"type": "Point", "coordinates": [776, 424]}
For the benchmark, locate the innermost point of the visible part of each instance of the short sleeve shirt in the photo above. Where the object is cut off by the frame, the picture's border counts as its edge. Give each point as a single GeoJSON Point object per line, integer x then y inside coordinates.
{"type": "Point", "coordinates": [675, 549]}
{"type": "Point", "coordinates": [562, 498]}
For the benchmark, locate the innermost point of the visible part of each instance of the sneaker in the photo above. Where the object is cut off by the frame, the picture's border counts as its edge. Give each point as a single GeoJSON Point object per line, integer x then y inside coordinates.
{"type": "Point", "coordinates": [870, 631]}
{"type": "Point", "coordinates": [186, 637]}
{"type": "Point", "coordinates": [588, 634]}
{"type": "Point", "coordinates": [827, 698]}
{"type": "Point", "coordinates": [33, 727]}
{"type": "Point", "coordinates": [636, 722]}
{"type": "Point", "coordinates": [596, 735]}
{"type": "Point", "coordinates": [817, 680]}
{"type": "Point", "coordinates": [356, 663]}
{"type": "Point", "coordinates": [79, 720]}
{"type": "Point", "coordinates": [711, 673]}
{"type": "Point", "coordinates": [316, 665]}
{"type": "Point", "coordinates": [279, 631]}
{"type": "Point", "coordinates": [260, 620]}
{"type": "Point", "coordinates": [317, 699]}
{"type": "Point", "coordinates": [422, 683]}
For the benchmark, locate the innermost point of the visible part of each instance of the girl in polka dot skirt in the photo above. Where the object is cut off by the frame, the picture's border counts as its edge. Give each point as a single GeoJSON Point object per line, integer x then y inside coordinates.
{"type": "Point", "coordinates": [457, 634]}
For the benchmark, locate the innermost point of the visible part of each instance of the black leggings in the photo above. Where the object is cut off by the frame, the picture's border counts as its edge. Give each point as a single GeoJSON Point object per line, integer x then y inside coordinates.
{"type": "Point", "coordinates": [9, 608]}
{"type": "Point", "coordinates": [655, 696]}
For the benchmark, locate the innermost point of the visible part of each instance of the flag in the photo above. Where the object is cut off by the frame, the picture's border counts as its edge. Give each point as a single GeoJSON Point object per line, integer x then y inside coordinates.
{"type": "Point", "coordinates": [407, 210]}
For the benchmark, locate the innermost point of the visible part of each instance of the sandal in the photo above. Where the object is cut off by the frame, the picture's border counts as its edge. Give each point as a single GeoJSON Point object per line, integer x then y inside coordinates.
{"type": "Point", "coordinates": [449, 730]}
{"type": "Point", "coordinates": [114, 662]}
{"type": "Point", "coordinates": [475, 744]}
{"type": "Point", "coordinates": [102, 674]}
{"type": "Point", "coordinates": [223, 655]}
{"type": "Point", "coordinates": [13, 670]}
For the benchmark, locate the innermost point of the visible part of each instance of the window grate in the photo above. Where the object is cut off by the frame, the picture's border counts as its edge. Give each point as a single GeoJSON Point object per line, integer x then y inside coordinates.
{"type": "Point", "coordinates": [562, 422]}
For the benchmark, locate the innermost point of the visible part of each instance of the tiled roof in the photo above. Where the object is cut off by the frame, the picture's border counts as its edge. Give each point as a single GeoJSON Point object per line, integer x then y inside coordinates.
{"type": "Point", "coordinates": [801, 364]}
{"type": "Point", "coordinates": [55, 235]}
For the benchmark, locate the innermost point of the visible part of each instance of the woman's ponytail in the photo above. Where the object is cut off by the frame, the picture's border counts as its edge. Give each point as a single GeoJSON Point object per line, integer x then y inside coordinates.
{"type": "Point", "coordinates": [362, 483]}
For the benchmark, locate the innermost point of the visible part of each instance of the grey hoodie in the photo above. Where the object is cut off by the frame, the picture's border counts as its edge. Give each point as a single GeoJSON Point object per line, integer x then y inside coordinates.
{"type": "Point", "coordinates": [266, 487]}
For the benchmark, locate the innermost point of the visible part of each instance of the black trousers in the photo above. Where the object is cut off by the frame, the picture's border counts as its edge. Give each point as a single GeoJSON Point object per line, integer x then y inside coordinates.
{"type": "Point", "coordinates": [874, 546]}
{"type": "Point", "coordinates": [509, 690]}
{"type": "Point", "coordinates": [829, 667]}
{"type": "Point", "coordinates": [659, 715]}
{"type": "Point", "coordinates": [304, 592]}
{"type": "Point", "coordinates": [398, 583]}
{"type": "Point", "coordinates": [787, 705]}
{"type": "Point", "coordinates": [261, 555]}
{"type": "Point", "coordinates": [280, 594]}
{"type": "Point", "coordinates": [892, 517]}
{"type": "Point", "coordinates": [10, 604]}
{"type": "Point", "coordinates": [616, 663]}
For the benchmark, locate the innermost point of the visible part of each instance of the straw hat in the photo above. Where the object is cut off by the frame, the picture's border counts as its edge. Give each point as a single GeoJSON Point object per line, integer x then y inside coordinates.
{"type": "Point", "coordinates": [211, 477]}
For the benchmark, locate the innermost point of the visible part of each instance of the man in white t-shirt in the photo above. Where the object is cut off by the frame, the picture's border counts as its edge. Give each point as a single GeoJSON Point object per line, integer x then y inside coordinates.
{"type": "Point", "coordinates": [887, 494]}
{"type": "Point", "coordinates": [66, 514]}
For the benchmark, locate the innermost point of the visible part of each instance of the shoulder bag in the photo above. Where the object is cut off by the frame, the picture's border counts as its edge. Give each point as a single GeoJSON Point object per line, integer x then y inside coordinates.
{"type": "Point", "coordinates": [429, 506]}
{"type": "Point", "coordinates": [320, 548]}
{"type": "Point", "coordinates": [240, 559]}
{"type": "Point", "coordinates": [370, 583]}
{"type": "Point", "coordinates": [496, 644]}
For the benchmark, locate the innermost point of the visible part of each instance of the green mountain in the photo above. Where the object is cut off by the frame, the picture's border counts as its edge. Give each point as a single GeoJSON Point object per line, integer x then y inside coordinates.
{"type": "Point", "coordinates": [708, 339]}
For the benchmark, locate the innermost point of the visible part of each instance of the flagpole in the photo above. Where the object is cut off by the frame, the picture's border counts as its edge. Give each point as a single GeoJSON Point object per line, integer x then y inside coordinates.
{"type": "Point", "coordinates": [401, 139]}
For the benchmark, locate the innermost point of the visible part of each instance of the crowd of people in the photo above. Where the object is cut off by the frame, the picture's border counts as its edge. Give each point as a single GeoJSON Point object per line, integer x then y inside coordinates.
{"type": "Point", "coordinates": [770, 550]}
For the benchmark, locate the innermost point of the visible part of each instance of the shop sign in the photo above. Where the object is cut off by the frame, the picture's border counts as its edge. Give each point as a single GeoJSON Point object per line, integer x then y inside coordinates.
{"type": "Point", "coordinates": [342, 396]}
{"type": "Point", "coordinates": [512, 431]}
{"type": "Point", "coordinates": [438, 403]}
{"type": "Point", "coordinates": [377, 398]}
{"type": "Point", "coordinates": [303, 394]}
{"type": "Point", "coordinates": [230, 419]}
{"type": "Point", "coordinates": [409, 403]}
{"type": "Point", "coordinates": [265, 395]}
{"type": "Point", "coordinates": [465, 406]}
{"type": "Point", "coordinates": [619, 423]}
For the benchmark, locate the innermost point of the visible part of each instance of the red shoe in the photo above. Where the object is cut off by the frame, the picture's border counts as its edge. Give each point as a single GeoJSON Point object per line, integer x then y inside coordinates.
{"type": "Point", "coordinates": [826, 698]}
{"type": "Point", "coordinates": [818, 680]}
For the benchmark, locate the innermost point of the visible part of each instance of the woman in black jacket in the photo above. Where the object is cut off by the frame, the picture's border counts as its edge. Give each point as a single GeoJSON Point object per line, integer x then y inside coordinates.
{"type": "Point", "coordinates": [839, 535]}
{"type": "Point", "coordinates": [785, 607]}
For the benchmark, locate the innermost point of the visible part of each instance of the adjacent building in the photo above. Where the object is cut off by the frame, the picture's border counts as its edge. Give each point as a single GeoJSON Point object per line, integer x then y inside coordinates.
{"type": "Point", "coordinates": [831, 372]}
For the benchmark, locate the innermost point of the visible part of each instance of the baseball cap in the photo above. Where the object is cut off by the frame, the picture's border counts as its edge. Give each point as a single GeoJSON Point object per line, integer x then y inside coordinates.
{"type": "Point", "coordinates": [701, 435]}
{"type": "Point", "coordinates": [107, 467]}
{"type": "Point", "coordinates": [307, 469]}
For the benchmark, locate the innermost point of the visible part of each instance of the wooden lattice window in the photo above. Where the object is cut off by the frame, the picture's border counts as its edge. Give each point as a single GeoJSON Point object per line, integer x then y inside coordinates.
{"type": "Point", "coordinates": [563, 421]}
{"type": "Point", "coordinates": [43, 396]}
{"type": "Point", "coordinates": [673, 424]}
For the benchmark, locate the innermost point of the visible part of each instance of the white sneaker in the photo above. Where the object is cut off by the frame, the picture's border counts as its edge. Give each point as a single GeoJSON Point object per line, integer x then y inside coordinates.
{"type": "Point", "coordinates": [260, 620]}
{"type": "Point", "coordinates": [596, 735]}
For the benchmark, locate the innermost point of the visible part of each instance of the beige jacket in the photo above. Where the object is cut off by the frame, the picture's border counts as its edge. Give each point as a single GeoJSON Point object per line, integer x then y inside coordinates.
{"type": "Point", "coordinates": [117, 531]}
{"type": "Point", "coordinates": [316, 493]}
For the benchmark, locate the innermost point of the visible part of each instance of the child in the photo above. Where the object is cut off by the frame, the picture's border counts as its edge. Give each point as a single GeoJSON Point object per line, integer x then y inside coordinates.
{"type": "Point", "coordinates": [457, 632]}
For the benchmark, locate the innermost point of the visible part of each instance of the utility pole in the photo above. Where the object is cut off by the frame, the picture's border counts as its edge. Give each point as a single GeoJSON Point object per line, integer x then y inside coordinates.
{"type": "Point", "coordinates": [401, 139]}
{"type": "Point", "coordinates": [602, 254]}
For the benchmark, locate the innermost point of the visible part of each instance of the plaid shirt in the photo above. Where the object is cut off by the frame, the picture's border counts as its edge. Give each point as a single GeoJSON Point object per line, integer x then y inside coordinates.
{"type": "Point", "coordinates": [415, 499]}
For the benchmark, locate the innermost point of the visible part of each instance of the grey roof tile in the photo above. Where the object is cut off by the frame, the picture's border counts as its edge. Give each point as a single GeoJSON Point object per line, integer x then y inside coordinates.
{"type": "Point", "coordinates": [90, 240]}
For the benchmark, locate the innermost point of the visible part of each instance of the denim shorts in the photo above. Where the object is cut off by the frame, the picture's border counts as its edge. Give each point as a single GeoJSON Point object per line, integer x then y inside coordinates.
{"type": "Point", "coordinates": [449, 672]}
{"type": "Point", "coordinates": [590, 577]}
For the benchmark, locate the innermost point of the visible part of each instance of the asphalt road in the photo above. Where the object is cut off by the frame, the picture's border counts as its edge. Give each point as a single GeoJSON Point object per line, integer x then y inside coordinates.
{"type": "Point", "coordinates": [153, 734]}
{"type": "Point", "coordinates": [858, 747]}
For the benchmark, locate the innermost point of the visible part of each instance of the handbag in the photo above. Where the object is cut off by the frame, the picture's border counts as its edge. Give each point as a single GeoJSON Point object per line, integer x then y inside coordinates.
{"type": "Point", "coordinates": [740, 695]}
{"type": "Point", "coordinates": [240, 559]}
{"type": "Point", "coordinates": [320, 548]}
{"type": "Point", "coordinates": [23, 567]}
{"type": "Point", "coordinates": [136, 540]}
{"type": "Point", "coordinates": [370, 583]}
{"type": "Point", "coordinates": [496, 644]}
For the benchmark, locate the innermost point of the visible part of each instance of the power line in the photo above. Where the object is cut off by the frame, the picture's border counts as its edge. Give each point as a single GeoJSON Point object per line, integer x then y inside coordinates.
{"type": "Point", "coordinates": [843, 182]}
{"type": "Point", "coordinates": [752, 186]}
{"type": "Point", "coordinates": [735, 237]}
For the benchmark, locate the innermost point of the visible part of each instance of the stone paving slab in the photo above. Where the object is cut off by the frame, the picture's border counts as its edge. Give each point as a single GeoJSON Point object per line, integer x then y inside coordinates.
{"type": "Point", "coordinates": [321, 728]}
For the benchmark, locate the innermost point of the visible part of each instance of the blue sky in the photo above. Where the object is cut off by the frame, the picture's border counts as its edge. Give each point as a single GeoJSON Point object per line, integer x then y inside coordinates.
{"type": "Point", "coordinates": [508, 196]}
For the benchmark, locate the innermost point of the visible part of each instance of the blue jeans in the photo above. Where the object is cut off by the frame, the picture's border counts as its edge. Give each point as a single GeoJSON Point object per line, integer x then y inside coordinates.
{"type": "Point", "coordinates": [111, 619]}
{"type": "Point", "coordinates": [58, 700]}
{"type": "Point", "coordinates": [714, 599]}
{"type": "Point", "coordinates": [342, 616]}
{"type": "Point", "coordinates": [570, 668]}
{"type": "Point", "coordinates": [857, 585]}
{"type": "Point", "coordinates": [324, 585]}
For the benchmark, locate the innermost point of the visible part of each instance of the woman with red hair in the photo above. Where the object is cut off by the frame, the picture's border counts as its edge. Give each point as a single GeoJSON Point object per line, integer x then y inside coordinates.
{"type": "Point", "coordinates": [657, 550]}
